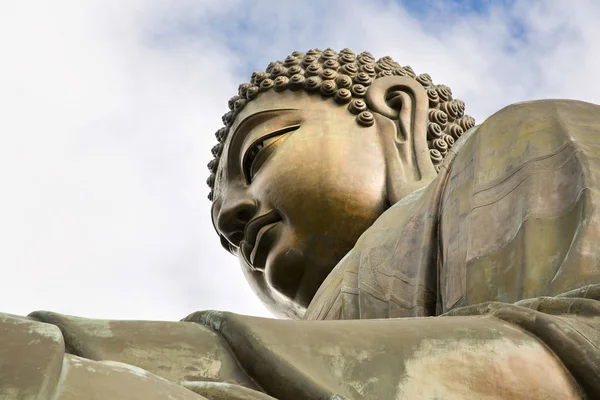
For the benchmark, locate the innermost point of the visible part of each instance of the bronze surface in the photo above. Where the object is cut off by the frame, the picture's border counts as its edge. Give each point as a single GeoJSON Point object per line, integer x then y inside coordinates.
{"type": "Point", "coordinates": [417, 256]}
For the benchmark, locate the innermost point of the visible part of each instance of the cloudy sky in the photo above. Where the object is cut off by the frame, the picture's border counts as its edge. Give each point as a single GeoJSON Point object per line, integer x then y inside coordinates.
{"type": "Point", "coordinates": [108, 110]}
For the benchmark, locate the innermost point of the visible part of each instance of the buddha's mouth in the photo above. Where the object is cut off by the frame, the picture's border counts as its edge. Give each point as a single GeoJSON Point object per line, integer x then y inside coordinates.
{"type": "Point", "coordinates": [254, 246]}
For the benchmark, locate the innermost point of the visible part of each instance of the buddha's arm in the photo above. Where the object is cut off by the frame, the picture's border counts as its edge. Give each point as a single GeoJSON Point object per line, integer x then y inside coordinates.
{"type": "Point", "coordinates": [466, 357]}
{"type": "Point", "coordinates": [568, 324]}
{"type": "Point", "coordinates": [34, 365]}
{"type": "Point", "coordinates": [52, 356]}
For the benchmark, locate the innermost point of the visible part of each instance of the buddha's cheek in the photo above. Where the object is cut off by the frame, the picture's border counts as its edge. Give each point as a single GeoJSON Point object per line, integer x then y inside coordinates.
{"type": "Point", "coordinates": [285, 264]}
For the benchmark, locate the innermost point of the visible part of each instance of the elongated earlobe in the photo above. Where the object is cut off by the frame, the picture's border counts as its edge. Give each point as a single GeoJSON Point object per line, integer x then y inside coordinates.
{"type": "Point", "coordinates": [403, 102]}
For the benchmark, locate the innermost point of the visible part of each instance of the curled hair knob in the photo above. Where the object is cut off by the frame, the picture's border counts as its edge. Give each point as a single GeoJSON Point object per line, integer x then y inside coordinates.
{"type": "Point", "coordinates": [358, 90]}
{"type": "Point", "coordinates": [308, 60]}
{"type": "Point", "coordinates": [439, 117]}
{"type": "Point", "coordinates": [449, 140]}
{"type": "Point", "coordinates": [328, 74]}
{"type": "Point", "coordinates": [379, 67]}
{"type": "Point", "coordinates": [347, 58]}
{"type": "Point", "coordinates": [454, 130]}
{"type": "Point", "coordinates": [343, 96]}
{"type": "Point", "coordinates": [312, 83]}
{"type": "Point", "coordinates": [258, 77]}
{"type": "Point", "coordinates": [243, 88]}
{"type": "Point", "coordinates": [369, 69]}
{"type": "Point", "coordinates": [433, 97]}
{"type": "Point", "coordinates": [388, 62]}
{"type": "Point", "coordinates": [400, 72]}
{"type": "Point", "coordinates": [436, 156]}
{"type": "Point", "coordinates": [366, 58]}
{"type": "Point", "coordinates": [357, 106]}
{"type": "Point", "coordinates": [343, 81]}
{"type": "Point", "coordinates": [266, 84]}
{"type": "Point", "coordinates": [216, 150]}
{"type": "Point", "coordinates": [328, 88]}
{"type": "Point", "coordinates": [252, 92]}
{"type": "Point", "coordinates": [365, 118]}
{"type": "Point", "coordinates": [239, 105]}
{"type": "Point", "coordinates": [232, 101]}
{"type": "Point", "coordinates": [362, 78]}
{"type": "Point", "coordinates": [294, 70]}
{"type": "Point", "coordinates": [452, 109]}
{"type": "Point", "coordinates": [291, 60]}
{"type": "Point", "coordinates": [272, 65]}
{"type": "Point", "coordinates": [280, 83]}
{"type": "Point", "coordinates": [383, 73]}
{"type": "Point", "coordinates": [440, 145]}
{"type": "Point", "coordinates": [212, 165]}
{"type": "Point", "coordinates": [278, 70]}
{"type": "Point", "coordinates": [434, 131]}
{"type": "Point", "coordinates": [221, 134]}
{"type": "Point", "coordinates": [331, 64]}
{"type": "Point", "coordinates": [350, 69]}
{"type": "Point", "coordinates": [211, 180]}
{"type": "Point", "coordinates": [313, 70]}
{"type": "Point", "coordinates": [296, 82]}
{"type": "Point", "coordinates": [466, 122]}
{"type": "Point", "coordinates": [424, 79]}
{"type": "Point", "coordinates": [227, 118]}
{"type": "Point", "coordinates": [410, 71]}
{"type": "Point", "coordinates": [444, 92]}
{"type": "Point", "coordinates": [328, 54]}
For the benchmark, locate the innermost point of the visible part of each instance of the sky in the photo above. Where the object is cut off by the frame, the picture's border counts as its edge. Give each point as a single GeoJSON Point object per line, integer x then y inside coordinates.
{"type": "Point", "coordinates": [109, 108]}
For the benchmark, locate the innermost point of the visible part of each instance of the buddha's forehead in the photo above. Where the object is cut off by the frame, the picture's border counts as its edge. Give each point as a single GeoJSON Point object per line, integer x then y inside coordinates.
{"type": "Point", "coordinates": [277, 102]}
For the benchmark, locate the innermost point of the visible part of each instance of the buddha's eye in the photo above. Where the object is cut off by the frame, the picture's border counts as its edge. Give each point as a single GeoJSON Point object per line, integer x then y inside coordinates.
{"type": "Point", "coordinates": [262, 149]}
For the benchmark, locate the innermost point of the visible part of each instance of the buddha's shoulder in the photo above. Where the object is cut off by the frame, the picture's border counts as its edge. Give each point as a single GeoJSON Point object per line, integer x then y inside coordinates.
{"type": "Point", "coordinates": [569, 120]}
{"type": "Point", "coordinates": [544, 108]}
{"type": "Point", "coordinates": [550, 140]}
{"type": "Point", "coordinates": [544, 132]}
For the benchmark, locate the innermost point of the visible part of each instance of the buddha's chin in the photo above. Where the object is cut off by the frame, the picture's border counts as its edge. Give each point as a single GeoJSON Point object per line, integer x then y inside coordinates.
{"type": "Point", "coordinates": [291, 271]}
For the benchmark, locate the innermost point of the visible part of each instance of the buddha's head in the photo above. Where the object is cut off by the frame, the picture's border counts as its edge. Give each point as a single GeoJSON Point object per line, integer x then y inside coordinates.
{"type": "Point", "coordinates": [313, 151]}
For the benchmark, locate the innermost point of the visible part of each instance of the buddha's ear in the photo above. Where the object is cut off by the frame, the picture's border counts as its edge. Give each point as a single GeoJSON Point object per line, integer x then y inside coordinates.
{"type": "Point", "coordinates": [400, 105]}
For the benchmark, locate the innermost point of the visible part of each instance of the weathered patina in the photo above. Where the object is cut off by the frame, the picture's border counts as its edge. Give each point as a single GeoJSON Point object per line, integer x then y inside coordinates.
{"type": "Point", "coordinates": [418, 256]}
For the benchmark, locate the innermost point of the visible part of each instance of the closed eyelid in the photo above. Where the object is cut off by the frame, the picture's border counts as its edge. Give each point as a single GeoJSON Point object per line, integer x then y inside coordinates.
{"type": "Point", "coordinates": [250, 123]}
{"type": "Point", "coordinates": [247, 131]}
{"type": "Point", "coordinates": [263, 146]}
{"type": "Point", "coordinates": [272, 128]}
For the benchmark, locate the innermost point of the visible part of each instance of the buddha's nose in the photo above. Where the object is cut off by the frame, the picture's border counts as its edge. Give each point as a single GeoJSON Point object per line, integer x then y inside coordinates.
{"type": "Point", "coordinates": [233, 217]}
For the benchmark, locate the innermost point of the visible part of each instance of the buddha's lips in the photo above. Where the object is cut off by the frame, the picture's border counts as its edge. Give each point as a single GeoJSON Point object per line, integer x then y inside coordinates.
{"type": "Point", "coordinates": [254, 231]}
{"type": "Point", "coordinates": [262, 246]}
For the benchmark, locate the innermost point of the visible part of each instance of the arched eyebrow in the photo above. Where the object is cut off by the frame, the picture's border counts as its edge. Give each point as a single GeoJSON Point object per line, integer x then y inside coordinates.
{"type": "Point", "coordinates": [253, 120]}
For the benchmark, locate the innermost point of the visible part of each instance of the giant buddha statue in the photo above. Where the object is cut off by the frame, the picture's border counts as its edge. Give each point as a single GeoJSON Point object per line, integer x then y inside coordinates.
{"type": "Point", "coordinates": [411, 254]}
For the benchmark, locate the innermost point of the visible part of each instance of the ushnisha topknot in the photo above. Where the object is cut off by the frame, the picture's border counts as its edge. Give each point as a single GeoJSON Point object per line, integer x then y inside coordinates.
{"type": "Point", "coordinates": [345, 77]}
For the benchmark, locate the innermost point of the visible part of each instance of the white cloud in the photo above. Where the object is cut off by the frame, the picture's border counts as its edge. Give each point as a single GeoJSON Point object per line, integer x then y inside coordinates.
{"type": "Point", "coordinates": [105, 146]}
{"type": "Point", "coordinates": [109, 110]}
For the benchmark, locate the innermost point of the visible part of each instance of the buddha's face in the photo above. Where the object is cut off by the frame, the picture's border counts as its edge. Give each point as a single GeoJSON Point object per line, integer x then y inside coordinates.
{"type": "Point", "coordinates": [300, 180]}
